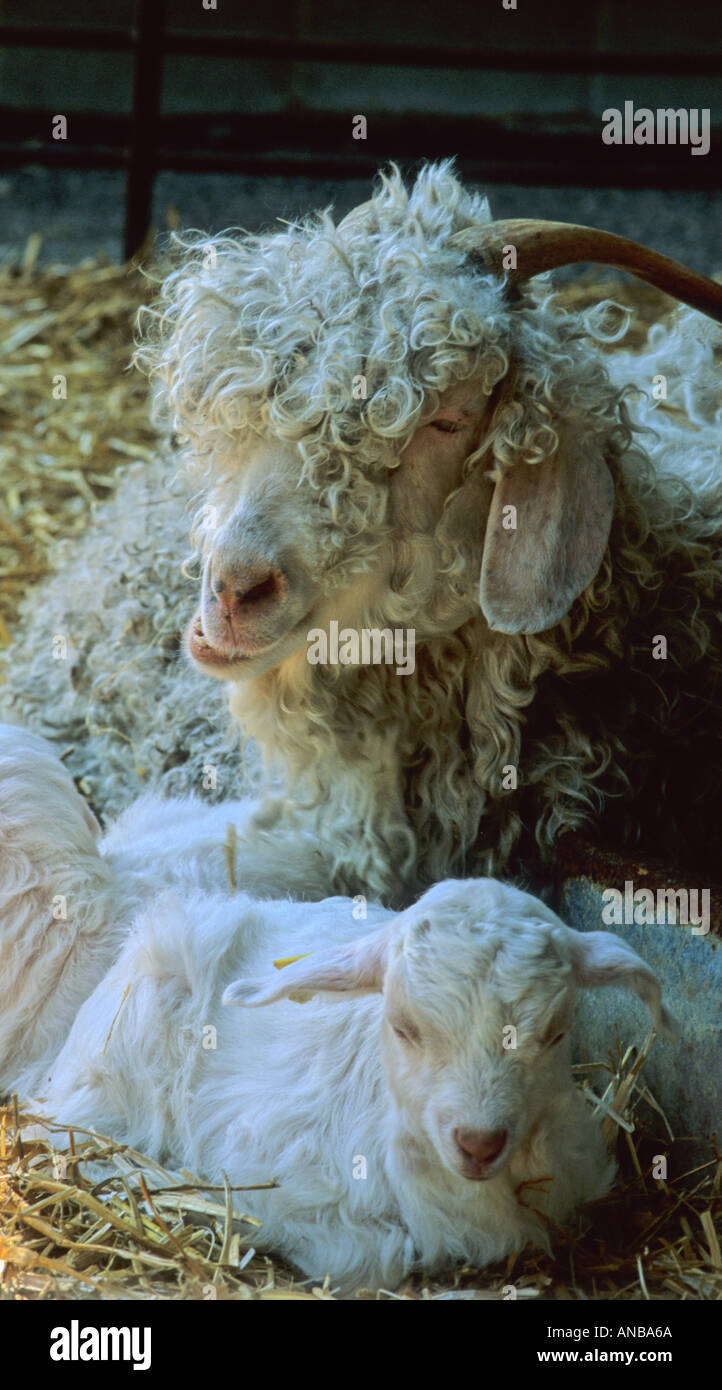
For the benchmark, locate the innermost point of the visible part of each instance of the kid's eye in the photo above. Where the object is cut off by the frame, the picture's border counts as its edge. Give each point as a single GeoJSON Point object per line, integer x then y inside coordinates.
{"type": "Point", "coordinates": [553, 1041]}
{"type": "Point", "coordinates": [407, 1033]}
{"type": "Point", "coordinates": [446, 426]}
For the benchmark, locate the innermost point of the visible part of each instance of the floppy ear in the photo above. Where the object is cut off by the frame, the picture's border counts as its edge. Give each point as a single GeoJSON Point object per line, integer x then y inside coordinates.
{"type": "Point", "coordinates": [345, 972]}
{"type": "Point", "coordinates": [540, 556]}
{"type": "Point", "coordinates": [600, 958]}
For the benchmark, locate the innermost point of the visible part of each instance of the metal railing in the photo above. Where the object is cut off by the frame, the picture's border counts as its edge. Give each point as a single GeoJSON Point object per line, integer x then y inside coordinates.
{"type": "Point", "coordinates": [310, 142]}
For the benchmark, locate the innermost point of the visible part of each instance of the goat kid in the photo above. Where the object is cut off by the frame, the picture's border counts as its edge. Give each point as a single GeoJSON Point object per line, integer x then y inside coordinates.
{"type": "Point", "coordinates": [432, 1119]}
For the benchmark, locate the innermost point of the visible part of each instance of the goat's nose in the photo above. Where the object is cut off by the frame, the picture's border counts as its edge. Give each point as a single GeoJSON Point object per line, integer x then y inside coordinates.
{"type": "Point", "coordinates": [482, 1144]}
{"type": "Point", "coordinates": [238, 593]}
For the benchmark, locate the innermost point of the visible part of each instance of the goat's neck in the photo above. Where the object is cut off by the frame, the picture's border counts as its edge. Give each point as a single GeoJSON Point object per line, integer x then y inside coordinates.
{"type": "Point", "coordinates": [360, 749]}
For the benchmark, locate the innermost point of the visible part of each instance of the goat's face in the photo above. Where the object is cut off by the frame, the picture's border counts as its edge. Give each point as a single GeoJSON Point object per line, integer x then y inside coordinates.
{"type": "Point", "coordinates": [412, 539]}
{"type": "Point", "coordinates": [475, 1021]}
{"type": "Point", "coordinates": [479, 997]}
{"type": "Point", "coordinates": [478, 983]}
{"type": "Point", "coordinates": [360, 361]}
{"type": "Point", "coordinates": [278, 562]}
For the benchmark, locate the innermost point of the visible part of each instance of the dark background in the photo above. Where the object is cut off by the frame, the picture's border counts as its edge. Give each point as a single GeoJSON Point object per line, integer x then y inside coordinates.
{"type": "Point", "coordinates": [517, 96]}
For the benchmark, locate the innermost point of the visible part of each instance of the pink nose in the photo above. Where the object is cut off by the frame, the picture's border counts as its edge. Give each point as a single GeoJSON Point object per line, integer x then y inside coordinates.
{"type": "Point", "coordinates": [484, 1145]}
{"type": "Point", "coordinates": [243, 593]}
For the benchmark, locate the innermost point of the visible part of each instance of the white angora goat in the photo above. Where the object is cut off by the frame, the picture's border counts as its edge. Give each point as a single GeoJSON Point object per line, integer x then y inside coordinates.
{"type": "Point", "coordinates": [390, 432]}
{"type": "Point", "coordinates": [392, 435]}
{"type": "Point", "coordinates": [432, 1119]}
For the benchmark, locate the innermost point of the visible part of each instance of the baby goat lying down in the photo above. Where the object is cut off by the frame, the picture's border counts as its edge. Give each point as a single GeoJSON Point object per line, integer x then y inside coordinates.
{"type": "Point", "coordinates": [431, 1118]}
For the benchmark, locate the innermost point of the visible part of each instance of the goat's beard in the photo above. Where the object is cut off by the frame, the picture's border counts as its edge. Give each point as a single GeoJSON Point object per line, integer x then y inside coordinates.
{"type": "Point", "coordinates": [354, 746]}
{"type": "Point", "coordinates": [356, 742]}
{"type": "Point", "coordinates": [430, 592]}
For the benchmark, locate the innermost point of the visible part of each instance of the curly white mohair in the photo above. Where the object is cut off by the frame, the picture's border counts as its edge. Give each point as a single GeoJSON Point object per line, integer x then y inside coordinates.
{"type": "Point", "coordinates": [384, 438]}
{"type": "Point", "coordinates": [97, 667]}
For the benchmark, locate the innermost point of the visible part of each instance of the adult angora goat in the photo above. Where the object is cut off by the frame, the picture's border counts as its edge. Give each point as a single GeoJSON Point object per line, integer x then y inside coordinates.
{"type": "Point", "coordinates": [367, 408]}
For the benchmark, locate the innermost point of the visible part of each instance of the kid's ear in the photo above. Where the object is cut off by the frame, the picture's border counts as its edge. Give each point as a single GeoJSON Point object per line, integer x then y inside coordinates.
{"type": "Point", "coordinates": [600, 958]}
{"type": "Point", "coordinates": [546, 533]}
{"type": "Point", "coordinates": [344, 972]}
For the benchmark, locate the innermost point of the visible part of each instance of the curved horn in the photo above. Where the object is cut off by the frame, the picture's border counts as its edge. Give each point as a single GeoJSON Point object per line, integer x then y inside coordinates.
{"type": "Point", "coordinates": [544, 246]}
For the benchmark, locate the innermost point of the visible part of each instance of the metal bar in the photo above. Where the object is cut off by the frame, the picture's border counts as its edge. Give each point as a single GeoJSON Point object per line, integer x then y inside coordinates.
{"type": "Point", "coordinates": [534, 166]}
{"type": "Point", "coordinates": [55, 36]}
{"type": "Point", "coordinates": [421, 55]}
{"type": "Point", "coordinates": [272, 49]}
{"type": "Point", "coordinates": [147, 91]}
{"type": "Point", "coordinates": [558, 169]}
{"type": "Point", "coordinates": [15, 155]}
{"type": "Point", "coordinates": [322, 141]}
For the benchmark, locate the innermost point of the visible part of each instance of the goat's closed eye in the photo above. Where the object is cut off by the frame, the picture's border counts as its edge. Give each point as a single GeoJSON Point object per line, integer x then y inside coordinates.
{"type": "Point", "coordinates": [405, 1032]}
{"type": "Point", "coordinates": [445, 426]}
{"type": "Point", "coordinates": [554, 1039]}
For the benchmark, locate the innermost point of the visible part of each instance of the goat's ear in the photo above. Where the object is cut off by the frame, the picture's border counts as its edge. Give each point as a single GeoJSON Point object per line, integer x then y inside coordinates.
{"type": "Point", "coordinates": [546, 533]}
{"type": "Point", "coordinates": [600, 958]}
{"type": "Point", "coordinates": [344, 972]}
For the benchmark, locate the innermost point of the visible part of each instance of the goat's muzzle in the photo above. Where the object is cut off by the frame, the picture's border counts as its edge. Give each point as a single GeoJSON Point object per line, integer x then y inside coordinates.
{"type": "Point", "coordinates": [480, 1150]}
{"type": "Point", "coordinates": [243, 611]}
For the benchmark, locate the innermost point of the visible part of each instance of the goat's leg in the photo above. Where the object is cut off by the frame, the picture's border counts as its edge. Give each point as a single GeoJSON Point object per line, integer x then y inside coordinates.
{"type": "Point", "coordinates": [57, 906]}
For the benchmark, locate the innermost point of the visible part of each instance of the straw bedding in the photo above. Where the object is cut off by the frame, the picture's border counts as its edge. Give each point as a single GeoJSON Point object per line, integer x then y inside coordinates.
{"type": "Point", "coordinates": [59, 455]}
{"type": "Point", "coordinates": [103, 1222]}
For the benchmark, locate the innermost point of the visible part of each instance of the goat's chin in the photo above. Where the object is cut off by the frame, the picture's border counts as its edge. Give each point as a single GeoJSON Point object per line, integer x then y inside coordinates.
{"type": "Point", "coordinates": [473, 1172]}
{"type": "Point", "coordinates": [238, 665]}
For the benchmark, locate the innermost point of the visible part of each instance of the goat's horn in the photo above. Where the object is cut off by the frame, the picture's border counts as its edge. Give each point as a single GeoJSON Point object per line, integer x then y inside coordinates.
{"type": "Point", "coordinates": [544, 246]}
